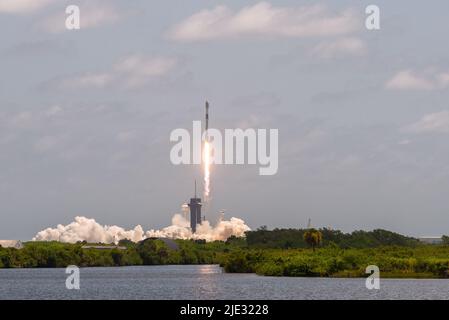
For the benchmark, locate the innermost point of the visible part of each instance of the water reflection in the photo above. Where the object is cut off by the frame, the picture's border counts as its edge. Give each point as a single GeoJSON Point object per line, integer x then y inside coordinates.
{"type": "Point", "coordinates": [199, 282]}
{"type": "Point", "coordinates": [209, 269]}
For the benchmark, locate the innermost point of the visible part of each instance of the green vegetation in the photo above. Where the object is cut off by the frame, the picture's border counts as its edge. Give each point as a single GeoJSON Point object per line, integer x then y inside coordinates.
{"type": "Point", "coordinates": [313, 238]}
{"type": "Point", "coordinates": [422, 261]}
{"type": "Point", "coordinates": [294, 238]}
{"type": "Point", "coordinates": [280, 252]}
{"type": "Point", "coordinates": [445, 239]}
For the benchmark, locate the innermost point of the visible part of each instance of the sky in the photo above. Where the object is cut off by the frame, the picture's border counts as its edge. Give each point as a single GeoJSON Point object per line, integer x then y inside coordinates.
{"type": "Point", "coordinates": [363, 115]}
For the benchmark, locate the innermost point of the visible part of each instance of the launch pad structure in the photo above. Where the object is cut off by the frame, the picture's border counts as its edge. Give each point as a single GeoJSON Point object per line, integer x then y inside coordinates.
{"type": "Point", "coordinates": [195, 211]}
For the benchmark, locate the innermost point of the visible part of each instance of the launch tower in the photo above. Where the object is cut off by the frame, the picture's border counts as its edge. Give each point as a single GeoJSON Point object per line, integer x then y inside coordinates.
{"type": "Point", "coordinates": [195, 211]}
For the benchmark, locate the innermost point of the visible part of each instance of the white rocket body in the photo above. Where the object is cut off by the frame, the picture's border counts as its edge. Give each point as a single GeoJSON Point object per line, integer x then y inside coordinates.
{"type": "Point", "coordinates": [207, 115]}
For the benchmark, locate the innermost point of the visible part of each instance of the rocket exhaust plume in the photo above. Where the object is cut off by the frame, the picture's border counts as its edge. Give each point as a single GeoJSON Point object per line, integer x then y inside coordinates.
{"type": "Point", "coordinates": [206, 170]}
{"type": "Point", "coordinates": [85, 229]}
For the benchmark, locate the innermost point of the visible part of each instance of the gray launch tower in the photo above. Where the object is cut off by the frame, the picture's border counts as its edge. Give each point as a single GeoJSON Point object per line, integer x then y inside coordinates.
{"type": "Point", "coordinates": [195, 211]}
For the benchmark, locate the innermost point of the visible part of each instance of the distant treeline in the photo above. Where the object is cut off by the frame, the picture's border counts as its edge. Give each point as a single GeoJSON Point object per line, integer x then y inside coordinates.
{"type": "Point", "coordinates": [294, 238]}
{"type": "Point", "coordinates": [57, 255]}
{"type": "Point", "coordinates": [280, 252]}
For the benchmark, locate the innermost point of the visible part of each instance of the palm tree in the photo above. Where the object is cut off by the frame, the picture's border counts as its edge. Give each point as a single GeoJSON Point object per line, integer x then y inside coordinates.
{"type": "Point", "coordinates": [313, 238]}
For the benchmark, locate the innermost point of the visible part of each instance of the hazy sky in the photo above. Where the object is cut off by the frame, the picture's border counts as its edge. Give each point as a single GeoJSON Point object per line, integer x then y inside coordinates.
{"type": "Point", "coordinates": [363, 116]}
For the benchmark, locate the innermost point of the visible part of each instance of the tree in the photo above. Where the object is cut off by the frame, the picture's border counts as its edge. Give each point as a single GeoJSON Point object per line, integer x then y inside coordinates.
{"type": "Point", "coordinates": [117, 256]}
{"type": "Point", "coordinates": [237, 262]}
{"type": "Point", "coordinates": [313, 238]}
{"type": "Point", "coordinates": [445, 240]}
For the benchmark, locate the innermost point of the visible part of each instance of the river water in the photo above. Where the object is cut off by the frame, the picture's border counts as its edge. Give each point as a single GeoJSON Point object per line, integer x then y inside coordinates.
{"type": "Point", "coordinates": [202, 282]}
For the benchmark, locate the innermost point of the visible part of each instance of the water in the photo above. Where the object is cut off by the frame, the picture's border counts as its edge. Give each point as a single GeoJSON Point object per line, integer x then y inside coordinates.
{"type": "Point", "coordinates": [202, 282]}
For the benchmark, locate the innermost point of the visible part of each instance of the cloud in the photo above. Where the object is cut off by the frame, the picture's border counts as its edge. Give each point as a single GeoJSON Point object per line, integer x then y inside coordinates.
{"type": "Point", "coordinates": [404, 142]}
{"type": "Point", "coordinates": [22, 6]}
{"type": "Point", "coordinates": [126, 136]}
{"type": "Point", "coordinates": [47, 143]}
{"type": "Point", "coordinates": [433, 122]}
{"type": "Point", "coordinates": [21, 119]}
{"type": "Point", "coordinates": [53, 111]}
{"type": "Point", "coordinates": [131, 71]}
{"type": "Point", "coordinates": [411, 80]}
{"type": "Point", "coordinates": [98, 80]}
{"type": "Point", "coordinates": [92, 15]}
{"type": "Point", "coordinates": [350, 160]}
{"type": "Point", "coordinates": [34, 48]}
{"type": "Point", "coordinates": [140, 65]}
{"type": "Point", "coordinates": [137, 68]}
{"type": "Point", "coordinates": [339, 47]}
{"type": "Point", "coordinates": [263, 20]}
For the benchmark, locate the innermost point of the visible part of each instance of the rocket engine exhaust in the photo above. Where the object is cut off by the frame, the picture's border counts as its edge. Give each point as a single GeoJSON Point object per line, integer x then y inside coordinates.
{"type": "Point", "coordinates": [85, 229]}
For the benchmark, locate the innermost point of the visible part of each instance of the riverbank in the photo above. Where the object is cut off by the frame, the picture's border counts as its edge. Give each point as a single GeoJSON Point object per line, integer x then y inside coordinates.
{"type": "Point", "coordinates": [421, 261]}
{"type": "Point", "coordinates": [393, 262]}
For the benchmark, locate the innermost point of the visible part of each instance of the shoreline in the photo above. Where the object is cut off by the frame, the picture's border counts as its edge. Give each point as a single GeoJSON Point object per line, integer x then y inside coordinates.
{"type": "Point", "coordinates": [237, 256]}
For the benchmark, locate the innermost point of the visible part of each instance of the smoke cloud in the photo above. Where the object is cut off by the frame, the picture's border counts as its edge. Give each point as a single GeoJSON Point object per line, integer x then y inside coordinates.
{"type": "Point", "coordinates": [85, 229]}
{"type": "Point", "coordinates": [180, 229]}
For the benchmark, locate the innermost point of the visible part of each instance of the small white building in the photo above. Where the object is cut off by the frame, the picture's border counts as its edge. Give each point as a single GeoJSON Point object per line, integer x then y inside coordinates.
{"type": "Point", "coordinates": [104, 247]}
{"type": "Point", "coordinates": [11, 244]}
{"type": "Point", "coordinates": [431, 240]}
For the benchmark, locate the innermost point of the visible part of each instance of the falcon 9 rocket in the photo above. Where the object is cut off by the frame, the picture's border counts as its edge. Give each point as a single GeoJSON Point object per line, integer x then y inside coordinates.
{"type": "Point", "coordinates": [207, 116]}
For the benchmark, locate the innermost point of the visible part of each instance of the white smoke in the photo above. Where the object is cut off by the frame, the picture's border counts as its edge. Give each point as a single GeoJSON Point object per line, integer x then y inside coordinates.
{"type": "Point", "coordinates": [85, 229]}
{"type": "Point", "coordinates": [180, 229]}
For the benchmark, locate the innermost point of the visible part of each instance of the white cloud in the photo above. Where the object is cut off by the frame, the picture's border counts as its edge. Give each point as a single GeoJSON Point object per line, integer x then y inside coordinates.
{"type": "Point", "coordinates": [53, 111]}
{"type": "Point", "coordinates": [126, 136]}
{"type": "Point", "coordinates": [411, 80]}
{"type": "Point", "coordinates": [351, 160]}
{"type": "Point", "coordinates": [404, 142]}
{"type": "Point", "coordinates": [434, 122]}
{"type": "Point", "coordinates": [264, 20]}
{"type": "Point", "coordinates": [21, 119]}
{"type": "Point", "coordinates": [141, 65]}
{"type": "Point", "coordinates": [311, 139]}
{"type": "Point", "coordinates": [46, 143]}
{"type": "Point", "coordinates": [97, 80]}
{"type": "Point", "coordinates": [339, 47]}
{"type": "Point", "coordinates": [22, 6]}
{"type": "Point", "coordinates": [443, 79]}
{"type": "Point", "coordinates": [135, 69]}
{"type": "Point", "coordinates": [92, 15]}
{"type": "Point", "coordinates": [132, 71]}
